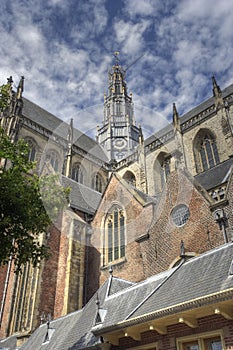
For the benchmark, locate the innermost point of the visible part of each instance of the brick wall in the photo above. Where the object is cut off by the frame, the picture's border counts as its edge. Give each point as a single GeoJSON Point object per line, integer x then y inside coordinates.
{"type": "Point", "coordinates": [199, 234]}
{"type": "Point", "coordinates": [168, 341]}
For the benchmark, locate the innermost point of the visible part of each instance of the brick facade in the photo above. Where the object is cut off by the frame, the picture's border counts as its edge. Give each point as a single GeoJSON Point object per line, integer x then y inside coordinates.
{"type": "Point", "coordinates": [206, 325]}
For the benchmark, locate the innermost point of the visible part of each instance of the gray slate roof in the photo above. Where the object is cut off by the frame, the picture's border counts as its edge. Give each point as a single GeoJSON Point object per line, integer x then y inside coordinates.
{"type": "Point", "coordinates": [216, 175]}
{"type": "Point", "coordinates": [82, 197]}
{"type": "Point", "coordinates": [122, 301]}
{"type": "Point", "coordinates": [73, 331]}
{"type": "Point", "coordinates": [59, 128]}
{"type": "Point", "coordinates": [206, 274]}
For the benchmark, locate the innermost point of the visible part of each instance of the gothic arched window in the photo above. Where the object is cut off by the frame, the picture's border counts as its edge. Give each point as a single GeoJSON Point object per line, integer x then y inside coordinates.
{"type": "Point", "coordinates": [32, 150]}
{"type": "Point", "coordinates": [53, 158]}
{"type": "Point", "coordinates": [77, 173]}
{"type": "Point", "coordinates": [161, 170]}
{"type": "Point", "coordinates": [164, 169]}
{"type": "Point", "coordinates": [114, 247]}
{"type": "Point", "coordinates": [205, 151]}
{"type": "Point", "coordinates": [97, 183]}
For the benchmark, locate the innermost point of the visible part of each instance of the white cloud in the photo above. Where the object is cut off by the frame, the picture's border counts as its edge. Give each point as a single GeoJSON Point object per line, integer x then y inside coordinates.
{"type": "Point", "coordinates": [129, 35]}
{"type": "Point", "coordinates": [64, 50]}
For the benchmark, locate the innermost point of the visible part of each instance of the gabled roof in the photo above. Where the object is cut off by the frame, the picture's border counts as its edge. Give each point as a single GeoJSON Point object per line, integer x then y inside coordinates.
{"type": "Point", "coordinates": [73, 331]}
{"type": "Point", "coordinates": [191, 284]}
{"type": "Point", "coordinates": [82, 197]}
{"type": "Point", "coordinates": [140, 196]}
{"type": "Point", "coordinates": [143, 198]}
{"type": "Point", "coordinates": [59, 128]}
{"type": "Point", "coordinates": [194, 283]}
{"type": "Point", "coordinates": [215, 176]}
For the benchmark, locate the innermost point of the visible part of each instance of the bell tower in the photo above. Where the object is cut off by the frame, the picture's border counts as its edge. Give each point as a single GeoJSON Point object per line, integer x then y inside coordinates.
{"type": "Point", "coordinates": [118, 134]}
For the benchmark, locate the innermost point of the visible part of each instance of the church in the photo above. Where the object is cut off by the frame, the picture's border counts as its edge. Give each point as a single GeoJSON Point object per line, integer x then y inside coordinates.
{"type": "Point", "coordinates": [142, 257]}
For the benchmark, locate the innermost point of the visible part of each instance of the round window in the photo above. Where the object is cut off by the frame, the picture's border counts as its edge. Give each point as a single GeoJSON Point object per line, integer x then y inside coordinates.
{"type": "Point", "coordinates": [180, 215]}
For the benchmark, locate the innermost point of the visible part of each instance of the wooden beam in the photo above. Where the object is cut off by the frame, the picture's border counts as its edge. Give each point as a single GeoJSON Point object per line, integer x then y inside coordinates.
{"type": "Point", "coordinates": [133, 333]}
{"type": "Point", "coordinates": [226, 312]}
{"type": "Point", "coordinates": [190, 321]}
{"type": "Point", "coordinates": [158, 328]}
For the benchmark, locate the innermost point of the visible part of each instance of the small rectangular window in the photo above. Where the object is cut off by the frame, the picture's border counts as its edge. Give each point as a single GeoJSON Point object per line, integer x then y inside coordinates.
{"type": "Point", "coordinates": [207, 341]}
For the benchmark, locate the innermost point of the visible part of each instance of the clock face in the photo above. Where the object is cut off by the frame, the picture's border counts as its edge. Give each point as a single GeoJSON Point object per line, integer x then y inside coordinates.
{"type": "Point", "coordinates": [119, 143]}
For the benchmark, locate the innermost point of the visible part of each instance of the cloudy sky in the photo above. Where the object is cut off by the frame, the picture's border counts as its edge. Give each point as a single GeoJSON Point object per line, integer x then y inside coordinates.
{"type": "Point", "coordinates": [64, 49]}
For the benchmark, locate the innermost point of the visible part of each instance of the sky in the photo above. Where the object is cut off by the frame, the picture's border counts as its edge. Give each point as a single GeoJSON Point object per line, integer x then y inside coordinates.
{"type": "Point", "coordinates": [169, 48]}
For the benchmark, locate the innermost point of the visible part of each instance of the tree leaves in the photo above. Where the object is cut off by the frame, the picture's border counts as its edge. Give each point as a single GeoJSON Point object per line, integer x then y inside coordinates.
{"type": "Point", "coordinates": [28, 205]}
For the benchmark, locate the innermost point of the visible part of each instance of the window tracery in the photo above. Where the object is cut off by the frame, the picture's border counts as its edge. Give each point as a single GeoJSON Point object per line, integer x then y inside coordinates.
{"type": "Point", "coordinates": [97, 183]}
{"type": "Point", "coordinates": [32, 150]}
{"type": "Point", "coordinates": [53, 158]}
{"type": "Point", "coordinates": [114, 247]}
{"type": "Point", "coordinates": [77, 173]}
{"type": "Point", "coordinates": [206, 151]}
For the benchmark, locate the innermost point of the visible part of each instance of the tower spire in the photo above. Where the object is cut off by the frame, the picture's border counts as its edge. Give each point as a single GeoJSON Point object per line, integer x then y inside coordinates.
{"type": "Point", "coordinates": [116, 55]}
{"type": "Point", "coordinates": [119, 134]}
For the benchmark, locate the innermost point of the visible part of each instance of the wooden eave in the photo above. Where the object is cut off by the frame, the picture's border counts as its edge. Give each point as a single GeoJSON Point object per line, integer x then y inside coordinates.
{"type": "Point", "coordinates": [219, 303]}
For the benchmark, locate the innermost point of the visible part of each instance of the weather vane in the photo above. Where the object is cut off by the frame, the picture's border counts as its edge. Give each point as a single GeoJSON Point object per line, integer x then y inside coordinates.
{"type": "Point", "coordinates": [116, 54]}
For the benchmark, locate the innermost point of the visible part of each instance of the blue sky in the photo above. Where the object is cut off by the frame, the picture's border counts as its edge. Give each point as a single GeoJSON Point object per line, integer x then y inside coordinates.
{"type": "Point", "coordinates": [64, 49]}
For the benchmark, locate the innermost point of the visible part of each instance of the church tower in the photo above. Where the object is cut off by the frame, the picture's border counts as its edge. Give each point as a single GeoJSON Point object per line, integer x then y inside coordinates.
{"type": "Point", "coordinates": [119, 134]}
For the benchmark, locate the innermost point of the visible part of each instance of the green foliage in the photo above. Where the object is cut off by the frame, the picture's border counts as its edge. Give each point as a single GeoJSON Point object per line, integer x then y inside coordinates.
{"type": "Point", "coordinates": [28, 205]}
{"type": "Point", "coordinates": [4, 96]}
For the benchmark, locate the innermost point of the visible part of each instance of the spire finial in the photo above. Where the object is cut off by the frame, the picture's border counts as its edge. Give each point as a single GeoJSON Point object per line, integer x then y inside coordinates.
{"type": "Point", "coordinates": [176, 118]}
{"type": "Point", "coordinates": [216, 89]}
{"type": "Point", "coordinates": [217, 92]}
{"type": "Point", "coordinates": [70, 132]}
{"type": "Point", "coordinates": [116, 55]}
{"type": "Point", "coordinates": [20, 88]}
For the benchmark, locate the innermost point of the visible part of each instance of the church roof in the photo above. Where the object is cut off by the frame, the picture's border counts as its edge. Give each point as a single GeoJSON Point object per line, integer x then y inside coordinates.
{"type": "Point", "coordinates": [211, 278]}
{"type": "Point", "coordinates": [82, 197]}
{"type": "Point", "coordinates": [170, 292]}
{"type": "Point", "coordinates": [73, 331]}
{"type": "Point", "coordinates": [215, 176]}
{"type": "Point", "coordinates": [205, 105]}
{"type": "Point", "coordinates": [141, 196]}
{"type": "Point", "coordinates": [203, 110]}
{"type": "Point", "coordinates": [57, 127]}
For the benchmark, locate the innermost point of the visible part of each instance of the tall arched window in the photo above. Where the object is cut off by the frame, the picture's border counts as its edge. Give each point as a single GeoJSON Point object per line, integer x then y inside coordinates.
{"type": "Point", "coordinates": [97, 183]}
{"type": "Point", "coordinates": [164, 169]}
{"type": "Point", "coordinates": [32, 150]}
{"type": "Point", "coordinates": [114, 247]}
{"type": "Point", "coordinates": [205, 151]}
{"type": "Point", "coordinates": [77, 173]}
{"type": "Point", "coordinates": [161, 170]}
{"type": "Point", "coordinates": [53, 158]}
